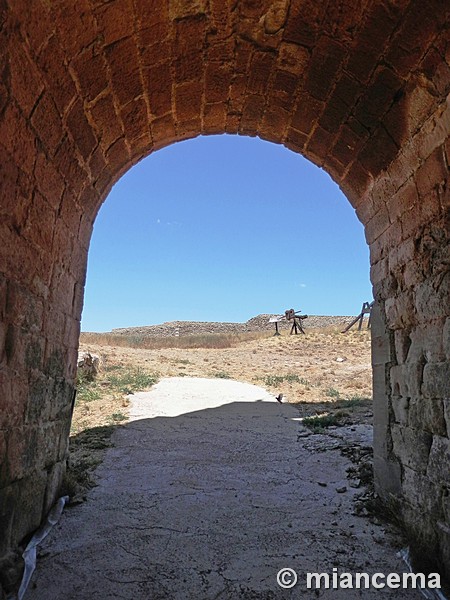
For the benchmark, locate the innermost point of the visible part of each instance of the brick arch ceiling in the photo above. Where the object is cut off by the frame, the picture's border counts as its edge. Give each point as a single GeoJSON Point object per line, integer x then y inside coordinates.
{"type": "Point", "coordinates": [100, 84]}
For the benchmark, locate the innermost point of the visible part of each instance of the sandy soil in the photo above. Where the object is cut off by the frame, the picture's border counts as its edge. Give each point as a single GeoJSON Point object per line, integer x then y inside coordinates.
{"type": "Point", "coordinates": [312, 371]}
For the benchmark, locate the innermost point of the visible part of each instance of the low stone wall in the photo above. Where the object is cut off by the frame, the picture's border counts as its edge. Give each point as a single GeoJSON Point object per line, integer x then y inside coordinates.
{"type": "Point", "coordinates": [258, 323]}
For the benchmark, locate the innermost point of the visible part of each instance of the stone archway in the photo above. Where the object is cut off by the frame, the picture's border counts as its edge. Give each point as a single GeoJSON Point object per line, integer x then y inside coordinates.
{"type": "Point", "coordinates": [89, 88]}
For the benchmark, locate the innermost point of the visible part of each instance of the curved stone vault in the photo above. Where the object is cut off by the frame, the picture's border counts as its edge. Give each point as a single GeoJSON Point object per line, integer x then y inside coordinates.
{"type": "Point", "coordinates": [89, 87]}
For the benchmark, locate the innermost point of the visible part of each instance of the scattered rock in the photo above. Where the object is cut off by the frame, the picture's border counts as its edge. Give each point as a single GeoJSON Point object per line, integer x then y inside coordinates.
{"type": "Point", "coordinates": [88, 365]}
{"type": "Point", "coordinates": [340, 359]}
{"type": "Point", "coordinates": [341, 490]}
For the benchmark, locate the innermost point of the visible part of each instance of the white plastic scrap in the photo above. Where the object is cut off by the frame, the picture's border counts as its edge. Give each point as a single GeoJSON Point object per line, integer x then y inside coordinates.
{"type": "Point", "coordinates": [426, 593]}
{"type": "Point", "coordinates": [29, 555]}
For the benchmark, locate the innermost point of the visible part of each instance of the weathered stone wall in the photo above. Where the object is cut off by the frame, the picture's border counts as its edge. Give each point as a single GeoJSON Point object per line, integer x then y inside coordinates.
{"type": "Point", "coordinates": [258, 323]}
{"type": "Point", "coordinates": [410, 256]}
{"type": "Point", "coordinates": [88, 88]}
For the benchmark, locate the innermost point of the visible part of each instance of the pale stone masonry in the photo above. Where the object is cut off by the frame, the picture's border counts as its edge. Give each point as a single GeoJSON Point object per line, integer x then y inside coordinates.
{"type": "Point", "coordinates": [88, 88]}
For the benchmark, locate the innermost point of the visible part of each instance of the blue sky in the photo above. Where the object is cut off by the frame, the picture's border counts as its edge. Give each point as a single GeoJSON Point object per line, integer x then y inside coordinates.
{"type": "Point", "coordinates": [223, 228]}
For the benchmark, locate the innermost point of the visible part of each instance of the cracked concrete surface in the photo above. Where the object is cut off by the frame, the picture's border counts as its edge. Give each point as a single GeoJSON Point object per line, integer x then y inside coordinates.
{"type": "Point", "coordinates": [209, 491]}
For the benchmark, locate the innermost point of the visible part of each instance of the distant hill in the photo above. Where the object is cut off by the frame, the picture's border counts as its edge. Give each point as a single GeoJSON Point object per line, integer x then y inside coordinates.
{"type": "Point", "coordinates": [258, 323]}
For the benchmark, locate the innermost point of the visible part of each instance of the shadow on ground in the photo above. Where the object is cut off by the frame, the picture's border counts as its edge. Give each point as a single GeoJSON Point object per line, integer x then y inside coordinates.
{"type": "Point", "coordinates": [212, 504]}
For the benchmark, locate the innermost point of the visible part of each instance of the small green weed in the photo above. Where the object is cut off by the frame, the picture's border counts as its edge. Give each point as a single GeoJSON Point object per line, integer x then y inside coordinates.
{"type": "Point", "coordinates": [118, 417]}
{"type": "Point", "coordinates": [115, 379]}
{"type": "Point", "coordinates": [222, 375]}
{"type": "Point", "coordinates": [319, 423]}
{"type": "Point", "coordinates": [332, 393]}
{"type": "Point", "coordinates": [87, 392]}
{"type": "Point", "coordinates": [130, 381]}
{"type": "Point", "coordinates": [355, 402]}
{"type": "Point", "coordinates": [276, 380]}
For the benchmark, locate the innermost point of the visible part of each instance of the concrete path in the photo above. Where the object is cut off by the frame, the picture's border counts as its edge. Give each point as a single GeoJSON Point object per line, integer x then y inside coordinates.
{"type": "Point", "coordinates": [207, 494]}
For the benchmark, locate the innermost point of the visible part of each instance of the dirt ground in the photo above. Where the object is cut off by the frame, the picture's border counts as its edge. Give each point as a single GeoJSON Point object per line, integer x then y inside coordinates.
{"type": "Point", "coordinates": [130, 450]}
{"type": "Point", "coordinates": [212, 490]}
{"type": "Point", "coordinates": [317, 371]}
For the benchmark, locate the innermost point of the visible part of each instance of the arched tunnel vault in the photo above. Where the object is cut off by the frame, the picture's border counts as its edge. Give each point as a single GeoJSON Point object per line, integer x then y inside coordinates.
{"type": "Point", "coordinates": [88, 88]}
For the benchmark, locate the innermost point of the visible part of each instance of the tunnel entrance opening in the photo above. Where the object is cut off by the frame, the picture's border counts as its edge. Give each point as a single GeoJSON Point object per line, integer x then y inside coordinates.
{"type": "Point", "coordinates": [229, 229]}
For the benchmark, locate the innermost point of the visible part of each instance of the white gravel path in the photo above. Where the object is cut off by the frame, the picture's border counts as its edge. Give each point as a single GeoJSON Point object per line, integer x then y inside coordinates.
{"type": "Point", "coordinates": [207, 494]}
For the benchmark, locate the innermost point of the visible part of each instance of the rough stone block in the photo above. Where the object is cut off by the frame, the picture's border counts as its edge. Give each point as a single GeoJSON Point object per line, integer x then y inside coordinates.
{"type": "Point", "coordinates": [381, 439]}
{"type": "Point", "coordinates": [439, 461]}
{"type": "Point", "coordinates": [381, 350]}
{"type": "Point", "coordinates": [188, 100]}
{"type": "Point", "coordinates": [445, 501]}
{"type": "Point", "coordinates": [76, 25]}
{"type": "Point", "coordinates": [402, 342]}
{"type": "Point", "coordinates": [18, 138]}
{"type": "Point", "coordinates": [9, 497]}
{"type": "Point", "coordinates": [421, 492]}
{"type": "Point", "coordinates": [379, 270]}
{"type": "Point", "coordinates": [446, 406]}
{"type": "Point", "coordinates": [307, 113]}
{"type": "Point", "coordinates": [420, 527]}
{"type": "Point", "coordinates": [292, 58]}
{"type": "Point", "coordinates": [427, 414]}
{"type": "Point", "coordinates": [377, 225]}
{"type": "Point", "coordinates": [81, 130]}
{"type": "Point", "coordinates": [46, 120]}
{"type": "Point", "coordinates": [13, 399]}
{"type": "Point", "coordinates": [26, 82]}
{"type": "Point", "coordinates": [302, 25]}
{"type": "Point", "coordinates": [107, 123]}
{"type": "Point", "coordinates": [90, 68]}
{"type": "Point", "coordinates": [400, 406]}
{"type": "Point", "coordinates": [124, 68]}
{"type": "Point", "coordinates": [402, 253]}
{"type": "Point", "coordinates": [387, 477]}
{"type": "Point", "coordinates": [325, 61]}
{"type": "Point", "coordinates": [186, 8]}
{"type": "Point", "coordinates": [443, 533]}
{"type": "Point", "coordinates": [62, 394]}
{"type": "Point", "coordinates": [30, 501]}
{"type": "Point", "coordinates": [414, 377]}
{"type": "Point", "coordinates": [54, 481]}
{"type": "Point", "coordinates": [115, 21]}
{"type": "Point", "coordinates": [413, 274]}
{"type": "Point", "coordinates": [400, 311]}
{"type": "Point", "coordinates": [446, 337]}
{"type": "Point", "coordinates": [426, 341]}
{"type": "Point", "coordinates": [399, 382]}
{"type": "Point", "coordinates": [40, 398]}
{"type": "Point", "coordinates": [11, 572]}
{"type": "Point", "coordinates": [24, 452]}
{"type": "Point", "coordinates": [432, 297]}
{"type": "Point", "coordinates": [436, 380]}
{"type": "Point", "coordinates": [411, 447]}
{"type": "Point", "coordinates": [432, 172]}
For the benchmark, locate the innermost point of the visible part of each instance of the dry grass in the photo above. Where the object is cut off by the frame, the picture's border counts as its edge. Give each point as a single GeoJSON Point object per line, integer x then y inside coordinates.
{"type": "Point", "coordinates": [212, 340]}
{"type": "Point", "coordinates": [303, 368]}
{"type": "Point", "coordinates": [103, 401]}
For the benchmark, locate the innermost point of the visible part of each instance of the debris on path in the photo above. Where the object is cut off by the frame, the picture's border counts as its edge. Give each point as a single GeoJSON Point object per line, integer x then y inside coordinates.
{"type": "Point", "coordinates": [209, 491]}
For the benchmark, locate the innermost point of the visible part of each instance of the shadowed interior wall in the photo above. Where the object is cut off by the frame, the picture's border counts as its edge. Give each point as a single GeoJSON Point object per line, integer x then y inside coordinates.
{"type": "Point", "coordinates": [88, 88]}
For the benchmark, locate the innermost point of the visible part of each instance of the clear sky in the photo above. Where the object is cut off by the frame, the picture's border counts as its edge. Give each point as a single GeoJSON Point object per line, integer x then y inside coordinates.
{"type": "Point", "coordinates": [223, 228]}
